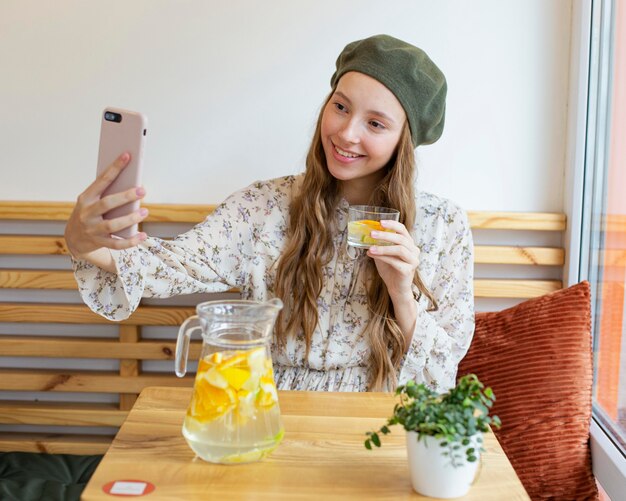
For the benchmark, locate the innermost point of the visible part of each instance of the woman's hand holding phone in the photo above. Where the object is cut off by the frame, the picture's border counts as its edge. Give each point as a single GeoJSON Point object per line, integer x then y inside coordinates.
{"type": "Point", "coordinates": [106, 214]}
{"type": "Point", "coordinates": [88, 233]}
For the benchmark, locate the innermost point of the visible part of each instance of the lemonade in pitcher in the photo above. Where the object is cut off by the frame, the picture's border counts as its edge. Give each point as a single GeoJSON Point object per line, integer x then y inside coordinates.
{"type": "Point", "coordinates": [234, 415]}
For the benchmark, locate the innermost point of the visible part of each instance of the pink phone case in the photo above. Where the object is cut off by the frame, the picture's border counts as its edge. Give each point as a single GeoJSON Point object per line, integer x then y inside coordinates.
{"type": "Point", "coordinates": [120, 131]}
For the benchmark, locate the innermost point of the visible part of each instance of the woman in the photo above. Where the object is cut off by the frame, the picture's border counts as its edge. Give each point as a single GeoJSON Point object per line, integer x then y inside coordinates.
{"type": "Point", "coordinates": [348, 324]}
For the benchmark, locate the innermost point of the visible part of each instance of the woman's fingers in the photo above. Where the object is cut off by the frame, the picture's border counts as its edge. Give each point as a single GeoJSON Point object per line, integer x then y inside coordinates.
{"type": "Point", "coordinates": [405, 254]}
{"type": "Point", "coordinates": [399, 265]}
{"type": "Point", "coordinates": [109, 226]}
{"type": "Point", "coordinates": [397, 261]}
{"type": "Point", "coordinates": [400, 246]}
{"type": "Point", "coordinates": [392, 238]}
{"type": "Point", "coordinates": [397, 234]}
{"type": "Point", "coordinates": [115, 200]}
{"type": "Point", "coordinates": [87, 230]}
{"type": "Point", "coordinates": [396, 226]}
{"type": "Point", "coordinates": [103, 181]}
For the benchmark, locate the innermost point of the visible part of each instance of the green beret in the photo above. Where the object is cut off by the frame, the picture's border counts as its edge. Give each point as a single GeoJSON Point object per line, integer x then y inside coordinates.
{"type": "Point", "coordinates": [407, 72]}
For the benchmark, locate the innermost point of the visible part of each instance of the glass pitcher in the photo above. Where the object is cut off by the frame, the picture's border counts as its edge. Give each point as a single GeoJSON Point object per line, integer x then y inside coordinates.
{"type": "Point", "coordinates": [233, 416]}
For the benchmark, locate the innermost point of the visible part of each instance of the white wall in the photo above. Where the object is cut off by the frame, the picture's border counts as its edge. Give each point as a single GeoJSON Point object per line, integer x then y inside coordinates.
{"type": "Point", "coordinates": [232, 90]}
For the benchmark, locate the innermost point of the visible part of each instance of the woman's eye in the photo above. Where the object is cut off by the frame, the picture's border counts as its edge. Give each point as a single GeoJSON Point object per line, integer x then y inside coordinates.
{"type": "Point", "coordinates": [376, 125]}
{"type": "Point", "coordinates": [340, 107]}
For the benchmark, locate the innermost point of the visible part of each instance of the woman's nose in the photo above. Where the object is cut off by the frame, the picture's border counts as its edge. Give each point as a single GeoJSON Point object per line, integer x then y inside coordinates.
{"type": "Point", "coordinates": [349, 132]}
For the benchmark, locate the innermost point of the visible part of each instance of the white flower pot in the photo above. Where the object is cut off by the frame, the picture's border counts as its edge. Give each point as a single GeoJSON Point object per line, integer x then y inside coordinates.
{"type": "Point", "coordinates": [432, 473]}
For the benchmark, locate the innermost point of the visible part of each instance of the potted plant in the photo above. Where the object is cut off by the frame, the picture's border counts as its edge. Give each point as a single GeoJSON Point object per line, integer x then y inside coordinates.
{"type": "Point", "coordinates": [444, 434]}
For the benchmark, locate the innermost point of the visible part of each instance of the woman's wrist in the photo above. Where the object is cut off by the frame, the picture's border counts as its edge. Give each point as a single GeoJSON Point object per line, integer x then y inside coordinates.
{"type": "Point", "coordinates": [403, 298]}
{"type": "Point", "coordinates": [405, 310]}
{"type": "Point", "coordinates": [102, 258]}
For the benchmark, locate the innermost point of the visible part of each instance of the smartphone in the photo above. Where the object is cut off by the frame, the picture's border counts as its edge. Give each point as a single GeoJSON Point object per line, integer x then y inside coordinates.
{"type": "Point", "coordinates": [120, 131]}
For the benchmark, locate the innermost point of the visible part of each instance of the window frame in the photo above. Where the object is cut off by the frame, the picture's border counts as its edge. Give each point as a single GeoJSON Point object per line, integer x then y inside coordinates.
{"type": "Point", "coordinates": [589, 96]}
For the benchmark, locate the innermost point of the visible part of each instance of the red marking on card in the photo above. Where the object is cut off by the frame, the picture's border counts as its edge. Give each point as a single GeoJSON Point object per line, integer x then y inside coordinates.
{"type": "Point", "coordinates": [128, 488]}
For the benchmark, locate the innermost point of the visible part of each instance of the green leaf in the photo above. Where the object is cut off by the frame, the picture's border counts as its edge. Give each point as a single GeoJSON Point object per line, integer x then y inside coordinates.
{"type": "Point", "coordinates": [375, 439]}
{"type": "Point", "coordinates": [368, 445]}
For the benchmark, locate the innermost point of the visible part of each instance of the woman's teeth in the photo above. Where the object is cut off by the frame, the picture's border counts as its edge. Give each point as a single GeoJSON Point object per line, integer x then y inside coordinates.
{"type": "Point", "coordinates": [345, 153]}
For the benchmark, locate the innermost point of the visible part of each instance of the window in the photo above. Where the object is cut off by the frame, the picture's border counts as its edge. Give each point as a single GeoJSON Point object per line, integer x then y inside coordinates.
{"type": "Point", "coordinates": [603, 238]}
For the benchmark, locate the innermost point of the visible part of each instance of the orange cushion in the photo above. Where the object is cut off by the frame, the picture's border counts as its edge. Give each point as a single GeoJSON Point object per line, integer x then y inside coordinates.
{"type": "Point", "coordinates": [537, 357]}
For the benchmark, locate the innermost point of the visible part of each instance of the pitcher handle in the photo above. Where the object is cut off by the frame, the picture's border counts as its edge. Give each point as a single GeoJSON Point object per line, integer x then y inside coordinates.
{"type": "Point", "coordinates": [182, 343]}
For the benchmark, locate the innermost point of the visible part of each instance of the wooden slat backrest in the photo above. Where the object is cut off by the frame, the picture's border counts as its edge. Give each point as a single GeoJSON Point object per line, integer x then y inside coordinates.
{"type": "Point", "coordinates": [191, 214]}
{"type": "Point", "coordinates": [483, 254]}
{"type": "Point", "coordinates": [130, 350]}
{"type": "Point", "coordinates": [79, 314]}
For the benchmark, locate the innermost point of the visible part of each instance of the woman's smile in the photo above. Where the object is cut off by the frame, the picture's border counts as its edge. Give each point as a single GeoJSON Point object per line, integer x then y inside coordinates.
{"type": "Point", "coordinates": [344, 155]}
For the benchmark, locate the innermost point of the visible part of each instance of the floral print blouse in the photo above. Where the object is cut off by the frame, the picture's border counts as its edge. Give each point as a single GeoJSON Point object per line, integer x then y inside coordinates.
{"type": "Point", "coordinates": [239, 245]}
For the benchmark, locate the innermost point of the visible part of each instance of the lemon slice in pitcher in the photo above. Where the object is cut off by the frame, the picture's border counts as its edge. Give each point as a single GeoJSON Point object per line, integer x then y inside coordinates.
{"type": "Point", "coordinates": [267, 395]}
{"type": "Point", "coordinates": [210, 402]}
{"type": "Point", "coordinates": [235, 377]}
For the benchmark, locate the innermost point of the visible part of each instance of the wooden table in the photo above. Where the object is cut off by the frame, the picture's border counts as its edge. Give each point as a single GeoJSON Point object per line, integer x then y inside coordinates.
{"type": "Point", "coordinates": [321, 457]}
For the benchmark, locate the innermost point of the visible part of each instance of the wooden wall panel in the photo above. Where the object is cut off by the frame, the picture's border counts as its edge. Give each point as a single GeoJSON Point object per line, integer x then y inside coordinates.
{"type": "Point", "coordinates": [130, 350]}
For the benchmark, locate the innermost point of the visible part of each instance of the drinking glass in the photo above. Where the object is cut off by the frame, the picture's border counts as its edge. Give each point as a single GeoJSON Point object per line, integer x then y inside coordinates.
{"type": "Point", "coordinates": [363, 219]}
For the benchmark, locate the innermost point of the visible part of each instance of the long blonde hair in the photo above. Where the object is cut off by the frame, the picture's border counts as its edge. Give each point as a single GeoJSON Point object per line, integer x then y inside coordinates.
{"type": "Point", "coordinates": [309, 248]}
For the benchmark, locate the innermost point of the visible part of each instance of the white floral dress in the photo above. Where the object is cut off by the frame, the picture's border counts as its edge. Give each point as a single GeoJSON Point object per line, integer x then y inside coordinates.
{"type": "Point", "coordinates": [239, 244]}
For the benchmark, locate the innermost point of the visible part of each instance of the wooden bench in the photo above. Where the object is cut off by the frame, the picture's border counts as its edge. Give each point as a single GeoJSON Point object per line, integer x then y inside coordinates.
{"type": "Point", "coordinates": [29, 423]}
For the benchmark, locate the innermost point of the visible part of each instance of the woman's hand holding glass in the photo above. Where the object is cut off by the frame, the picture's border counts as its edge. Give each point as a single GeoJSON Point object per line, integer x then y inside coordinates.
{"type": "Point", "coordinates": [87, 230]}
{"type": "Point", "coordinates": [397, 262]}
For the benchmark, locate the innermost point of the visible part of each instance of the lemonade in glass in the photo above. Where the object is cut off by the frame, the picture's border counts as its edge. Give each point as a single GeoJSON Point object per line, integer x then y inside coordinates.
{"type": "Point", "coordinates": [363, 219]}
